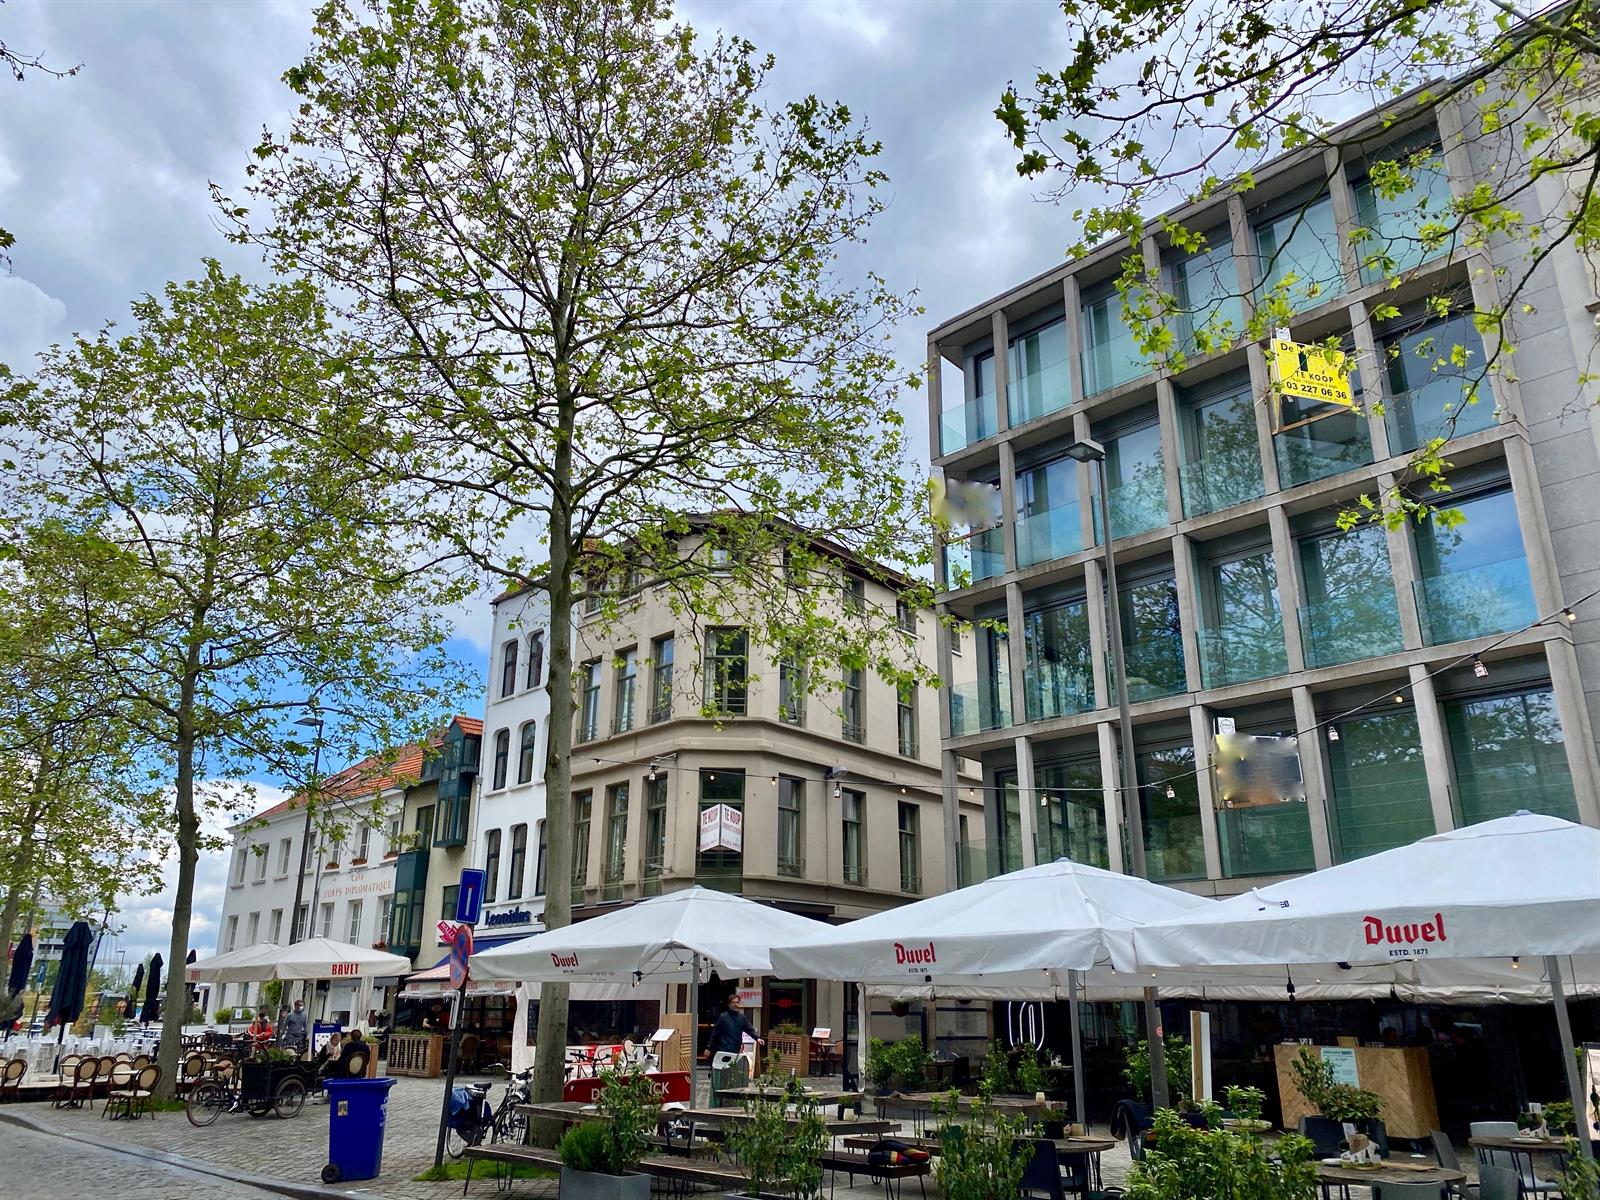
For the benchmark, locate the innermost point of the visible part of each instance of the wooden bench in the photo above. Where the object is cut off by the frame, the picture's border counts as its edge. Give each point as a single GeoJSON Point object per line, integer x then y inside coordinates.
{"type": "Point", "coordinates": [853, 1163]}
{"type": "Point", "coordinates": [670, 1170]}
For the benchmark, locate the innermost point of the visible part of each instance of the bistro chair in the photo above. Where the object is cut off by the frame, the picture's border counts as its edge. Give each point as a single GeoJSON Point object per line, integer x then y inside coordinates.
{"type": "Point", "coordinates": [1497, 1183]}
{"type": "Point", "coordinates": [122, 1077]}
{"type": "Point", "coordinates": [1520, 1164]}
{"type": "Point", "coordinates": [80, 1085]}
{"type": "Point", "coordinates": [11, 1079]}
{"type": "Point", "coordinates": [1042, 1175]}
{"type": "Point", "coordinates": [102, 1072]}
{"type": "Point", "coordinates": [1408, 1191]}
{"type": "Point", "coordinates": [141, 1060]}
{"type": "Point", "coordinates": [1445, 1151]}
{"type": "Point", "coordinates": [138, 1093]}
{"type": "Point", "coordinates": [193, 1069]}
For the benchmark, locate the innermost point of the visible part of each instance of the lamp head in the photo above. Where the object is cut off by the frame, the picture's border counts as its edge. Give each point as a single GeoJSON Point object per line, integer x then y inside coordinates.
{"type": "Point", "coordinates": [1087, 450]}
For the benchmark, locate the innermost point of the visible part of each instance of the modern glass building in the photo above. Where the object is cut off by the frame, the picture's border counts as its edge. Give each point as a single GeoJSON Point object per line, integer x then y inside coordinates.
{"type": "Point", "coordinates": [1242, 596]}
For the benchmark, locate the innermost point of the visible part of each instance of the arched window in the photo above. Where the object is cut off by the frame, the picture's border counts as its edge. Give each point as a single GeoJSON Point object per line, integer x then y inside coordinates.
{"type": "Point", "coordinates": [502, 752]}
{"type": "Point", "coordinates": [508, 669]}
{"type": "Point", "coordinates": [525, 756]}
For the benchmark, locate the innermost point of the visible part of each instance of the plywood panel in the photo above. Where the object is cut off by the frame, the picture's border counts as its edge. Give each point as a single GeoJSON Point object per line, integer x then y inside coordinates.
{"type": "Point", "coordinates": [1399, 1075]}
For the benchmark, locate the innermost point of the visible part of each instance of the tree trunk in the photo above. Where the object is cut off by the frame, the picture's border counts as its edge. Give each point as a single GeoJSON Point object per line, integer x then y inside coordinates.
{"type": "Point", "coordinates": [21, 873]}
{"type": "Point", "coordinates": [551, 1047]}
{"type": "Point", "coordinates": [175, 1000]}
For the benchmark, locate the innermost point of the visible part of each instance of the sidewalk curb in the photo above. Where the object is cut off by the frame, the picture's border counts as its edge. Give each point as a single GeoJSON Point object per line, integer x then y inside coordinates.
{"type": "Point", "coordinates": [283, 1187]}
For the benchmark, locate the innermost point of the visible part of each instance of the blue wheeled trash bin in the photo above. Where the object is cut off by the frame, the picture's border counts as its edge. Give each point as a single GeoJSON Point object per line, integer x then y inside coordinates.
{"type": "Point", "coordinates": [357, 1110]}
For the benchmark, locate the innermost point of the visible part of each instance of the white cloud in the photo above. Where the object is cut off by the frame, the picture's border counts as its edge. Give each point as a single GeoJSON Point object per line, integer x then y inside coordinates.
{"type": "Point", "coordinates": [30, 319]}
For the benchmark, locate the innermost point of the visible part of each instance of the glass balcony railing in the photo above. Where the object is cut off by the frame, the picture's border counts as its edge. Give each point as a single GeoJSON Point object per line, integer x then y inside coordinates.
{"type": "Point", "coordinates": [974, 708]}
{"type": "Point", "coordinates": [1155, 668]}
{"type": "Point", "coordinates": [1042, 391]}
{"type": "Point", "coordinates": [1058, 690]}
{"type": "Point", "coordinates": [1351, 628]}
{"type": "Point", "coordinates": [1054, 533]}
{"type": "Point", "coordinates": [1135, 508]}
{"type": "Point", "coordinates": [1220, 481]}
{"type": "Point", "coordinates": [961, 425]}
{"type": "Point", "coordinates": [1240, 654]}
{"type": "Point", "coordinates": [974, 559]}
{"type": "Point", "coordinates": [1113, 362]}
{"type": "Point", "coordinates": [1494, 598]}
{"type": "Point", "coordinates": [1437, 409]}
{"type": "Point", "coordinates": [1322, 448]}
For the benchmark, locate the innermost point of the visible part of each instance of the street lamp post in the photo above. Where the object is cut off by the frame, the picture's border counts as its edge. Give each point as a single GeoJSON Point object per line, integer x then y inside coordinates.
{"type": "Point", "coordinates": [1088, 451]}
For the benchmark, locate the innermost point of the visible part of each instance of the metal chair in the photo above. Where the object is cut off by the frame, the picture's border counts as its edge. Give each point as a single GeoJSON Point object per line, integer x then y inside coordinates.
{"type": "Point", "coordinates": [80, 1086]}
{"type": "Point", "coordinates": [1497, 1183]}
{"type": "Point", "coordinates": [121, 1078]}
{"type": "Point", "coordinates": [1042, 1175]}
{"type": "Point", "coordinates": [138, 1093]}
{"type": "Point", "coordinates": [193, 1069]}
{"type": "Point", "coordinates": [11, 1079]}
{"type": "Point", "coordinates": [1408, 1191]}
{"type": "Point", "coordinates": [1520, 1163]}
{"type": "Point", "coordinates": [1445, 1151]}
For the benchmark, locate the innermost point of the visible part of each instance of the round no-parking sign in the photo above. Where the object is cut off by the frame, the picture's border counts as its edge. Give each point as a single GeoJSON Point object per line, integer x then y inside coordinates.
{"type": "Point", "coordinates": [460, 952]}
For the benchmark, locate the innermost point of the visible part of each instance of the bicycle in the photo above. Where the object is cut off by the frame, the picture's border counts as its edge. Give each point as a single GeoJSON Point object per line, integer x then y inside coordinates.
{"type": "Point", "coordinates": [510, 1125]}
{"type": "Point", "coordinates": [471, 1118]}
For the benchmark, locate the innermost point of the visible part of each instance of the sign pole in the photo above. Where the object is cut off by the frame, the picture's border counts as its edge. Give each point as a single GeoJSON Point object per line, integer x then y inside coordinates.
{"type": "Point", "coordinates": [460, 957]}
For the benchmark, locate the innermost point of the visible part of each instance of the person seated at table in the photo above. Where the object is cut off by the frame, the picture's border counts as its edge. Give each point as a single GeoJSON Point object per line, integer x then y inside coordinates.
{"type": "Point", "coordinates": [354, 1046]}
{"type": "Point", "coordinates": [260, 1032]}
{"type": "Point", "coordinates": [328, 1057]}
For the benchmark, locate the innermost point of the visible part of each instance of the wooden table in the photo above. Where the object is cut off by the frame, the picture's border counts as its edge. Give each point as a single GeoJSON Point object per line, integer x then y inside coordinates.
{"type": "Point", "coordinates": [571, 1111]}
{"type": "Point", "coordinates": [821, 1096]}
{"type": "Point", "coordinates": [1516, 1146]}
{"type": "Point", "coordinates": [1343, 1177]}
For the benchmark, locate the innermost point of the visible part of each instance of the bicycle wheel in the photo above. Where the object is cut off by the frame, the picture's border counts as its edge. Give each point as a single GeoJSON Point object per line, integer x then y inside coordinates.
{"type": "Point", "coordinates": [455, 1142]}
{"type": "Point", "coordinates": [206, 1102]}
{"type": "Point", "coordinates": [509, 1126]}
{"type": "Point", "coordinates": [290, 1098]}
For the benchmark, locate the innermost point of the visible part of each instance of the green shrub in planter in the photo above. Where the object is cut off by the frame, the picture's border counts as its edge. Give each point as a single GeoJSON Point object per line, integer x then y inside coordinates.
{"type": "Point", "coordinates": [223, 1016]}
{"type": "Point", "coordinates": [1179, 1067]}
{"type": "Point", "coordinates": [1030, 1073]}
{"type": "Point", "coordinates": [781, 1155]}
{"type": "Point", "coordinates": [997, 1071]}
{"type": "Point", "coordinates": [597, 1157]}
{"type": "Point", "coordinates": [983, 1157]}
{"type": "Point", "coordinates": [1246, 1103]}
{"type": "Point", "coordinates": [585, 1148]}
{"type": "Point", "coordinates": [1186, 1163]}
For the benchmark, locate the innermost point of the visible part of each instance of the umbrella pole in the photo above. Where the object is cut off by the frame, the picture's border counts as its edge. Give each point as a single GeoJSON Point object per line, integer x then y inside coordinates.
{"type": "Point", "coordinates": [694, 1024]}
{"type": "Point", "coordinates": [1569, 1058]}
{"type": "Point", "coordinates": [1156, 1044]}
{"type": "Point", "coordinates": [61, 1033]}
{"type": "Point", "coordinates": [1075, 1024]}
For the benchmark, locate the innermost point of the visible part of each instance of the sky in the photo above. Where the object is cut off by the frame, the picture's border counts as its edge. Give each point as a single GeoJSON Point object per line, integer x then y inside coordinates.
{"type": "Point", "coordinates": [104, 176]}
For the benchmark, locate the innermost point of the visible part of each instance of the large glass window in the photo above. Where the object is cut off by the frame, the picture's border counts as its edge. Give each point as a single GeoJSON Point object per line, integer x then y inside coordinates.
{"type": "Point", "coordinates": [1243, 639]}
{"type": "Point", "coordinates": [984, 703]}
{"type": "Point", "coordinates": [528, 741]}
{"type": "Point", "coordinates": [661, 678]}
{"type": "Point", "coordinates": [535, 658]}
{"type": "Point", "coordinates": [905, 718]}
{"type": "Point", "coordinates": [910, 848]}
{"type": "Point", "coordinates": [1047, 512]}
{"type": "Point", "coordinates": [792, 690]}
{"type": "Point", "coordinates": [491, 866]}
{"type": "Point", "coordinates": [502, 756]}
{"type": "Point", "coordinates": [1509, 753]}
{"type": "Point", "coordinates": [508, 668]}
{"type": "Point", "coordinates": [1403, 207]}
{"type": "Point", "coordinates": [1297, 250]}
{"type": "Point", "coordinates": [582, 818]}
{"type": "Point", "coordinates": [1111, 356]}
{"type": "Point", "coordinates": [655, 826]}
{"type": "Point", "coordinates": [1435, 389]}
{"type": "Point", "coordinates": [727, 665]}
{"type": "Point", "coordinates": [1037, 380]}
{"type": "Point", "coordinates": [852, 808]}
{"type": "Point", "coordinates": [616, 833]}
{"type": "Point", "coordinates": [1315, 439]}
{"type": "Point", "coordinates": [721, 867]}
{"type": "Point", "coordinates": [627, 677]}
{"type": "Point", "coordinates": [1205, 287]}
{"type": "Point", "coordinates": [540, 863]}
{"type": "Point", "coordinates": [1474, 571]}
{"type": "Point", "coordinates": [968, 415]}
{"type": "Point", "coordinates": [1152, 639]}
{"type": "Point", "coordinates": [1380, 787]}
{"type": "Point", "coordinates": [1350, 610]}
{"type": "Point", "coordinates": [1169, 811]}
{"type": "Point", "coordinates": [519, 861]}
{"type": "Point", "coordinates": [1060, 680]}
{"type": "Point", "coordinates": [589, 702]}
{"type": "Point", "coordinates": [851, 712]}
{"type": "Point", "coordinates": [1072, 814]}
{"type": "Point", "coordinates": [1265, 838]}
{"type": "Point", "coordinates": [1222, 455]}
{"type": "Point", "coordinates": [791, 826]}
{"type": "Point", "coordinates": [1136, 482]}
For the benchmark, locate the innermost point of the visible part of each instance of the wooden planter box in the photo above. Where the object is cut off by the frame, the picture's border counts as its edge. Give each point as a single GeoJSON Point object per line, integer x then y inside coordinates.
{"type": "Point", "coordinates": [420, 1055]}
{"type": "Point", "coordinates": [789, 1053]}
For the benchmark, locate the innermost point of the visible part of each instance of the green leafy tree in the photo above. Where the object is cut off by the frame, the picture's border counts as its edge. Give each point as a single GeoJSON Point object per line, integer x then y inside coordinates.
{"type": "Point", "coordinates": [227, 570]}
{"type": "Point", "coordinates": [614, 268]}
{"type": "Point", "coordinates": [1162, 105]}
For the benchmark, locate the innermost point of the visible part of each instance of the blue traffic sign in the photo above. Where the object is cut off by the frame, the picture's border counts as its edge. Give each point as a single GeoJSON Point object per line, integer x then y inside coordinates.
{"type": "Point", "coordinates": [460, 954]}
{"type": "Point", "coordinates": [469, 899]}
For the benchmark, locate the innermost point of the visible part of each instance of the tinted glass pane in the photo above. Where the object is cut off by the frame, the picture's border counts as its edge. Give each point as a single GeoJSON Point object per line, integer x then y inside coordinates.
{"type": "Point", "coordinates": [1404, 211]}
{"type": "Point", "coordinates": [1060, 671]}
{"type": "Point", "coordinates": [1072, 815]}
{"type": "Point", "coordinates": [1206, 286]}
{"type": "Point", "coordinates": [1245, 640]}
{"type": "Point", "coordinates": [1509, 754]}
{"type": "Point", "coordinates": [1173, 847]}
{"type": "Point", "coordinates": [1434, 389]}
{"type": "Point", "coordinates": [1350, 610]}
{"type": "Point", "coordinates": [1047, 512]}
{"type": "Point", "coordinates": [1038, 381]}
{"type": "Point", "coordinates": [1380, 789]}
{"type": "Point", "coordinates": [1110, 355]}
{"type": "Point", "coordinates": [1298, 254]}
{"type": "Point", "coordinates": [1474, 573]}
{"type": "Point", "coordinates": [1152, 639]}
{"type": "Point", "coordinates": [1137, 485]}
{"type": "Point", "coordinates": [1223, 466]}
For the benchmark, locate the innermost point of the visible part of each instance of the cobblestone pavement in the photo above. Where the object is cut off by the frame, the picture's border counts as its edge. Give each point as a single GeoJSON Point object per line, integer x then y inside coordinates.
{"type": "Point", "coordinates": [295, 1150]}
{"type": "Point", "coordinates": [36, 1166]}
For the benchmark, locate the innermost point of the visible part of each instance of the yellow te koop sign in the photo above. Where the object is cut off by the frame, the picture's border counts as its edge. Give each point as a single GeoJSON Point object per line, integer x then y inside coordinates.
{"type": "Point", "coordinates": [1311, 372]}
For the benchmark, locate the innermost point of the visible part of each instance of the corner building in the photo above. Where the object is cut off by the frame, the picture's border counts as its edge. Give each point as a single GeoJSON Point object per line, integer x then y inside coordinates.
{"type": "Point", "coordinates": [1240, 599]}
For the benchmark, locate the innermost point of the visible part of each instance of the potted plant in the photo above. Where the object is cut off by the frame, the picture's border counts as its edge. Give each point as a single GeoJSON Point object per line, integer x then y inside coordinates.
{"type": "Point", "coordinates": [1030, 1073]}
{"type": "Point", "coordinates": [1337, 1101]}
{"type": "Point", "coordinates": [598, 1158]}
{"type": "Point", "coordinates": [1246, 1104]}
{"type": "Point", "coordinates": [223, 1016]}
{"type": "Point", "coordinates": [983, 1157]}
{"type": "Point", "coordinates": [997, 1079]}
{"type": "Point", "coordinates": [898, 1066]}
{"type": "Point", "coordinates": [1187, 1163]}
{"type": "Point", "coordinates": [1558, 1118]}
{"type": "Point", "coordinates": [780, 1154]}
{"type": "Point", "coordinates": [1179, 1068]}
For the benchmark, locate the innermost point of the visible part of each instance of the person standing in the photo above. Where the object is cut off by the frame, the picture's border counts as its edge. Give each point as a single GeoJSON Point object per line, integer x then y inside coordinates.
{"type": "Point", "coordinates": [294, 1028]}
{"type": "Point", "coordinates": [732, 1027]}
{"type": "Point", "coordinates": [260, 1032]}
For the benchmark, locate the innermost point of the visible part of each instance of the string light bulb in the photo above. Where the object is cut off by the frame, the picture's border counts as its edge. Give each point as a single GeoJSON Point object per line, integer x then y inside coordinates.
{"type": "Point", "coordinates": [1172, 792]}
{"type": "Point", "coordinates": [1516, 962]}
{"type": "Point", "coordinates": [1333, 733]}
{"type": "Point", "coordinates": [1399, 699]}
{"type": "Point", "coordinates": [1478, 669]}
{"type": "Point", "coordinates": [1569, 615]}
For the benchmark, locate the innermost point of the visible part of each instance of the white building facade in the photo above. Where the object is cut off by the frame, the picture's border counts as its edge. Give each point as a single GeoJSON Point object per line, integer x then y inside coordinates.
{"type": "Point", "coordinates": [508, 838]}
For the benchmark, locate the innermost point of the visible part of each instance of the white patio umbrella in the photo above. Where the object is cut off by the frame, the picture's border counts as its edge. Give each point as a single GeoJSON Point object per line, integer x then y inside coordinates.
{"type": "Point", "coordinates": [1027, 929]}
{"type": "Point", "coordinates": [1523, 886]}
{"type": "Point", "coordinates": [244, 965]}
{"type": "Point", "coordinates": [324, 958]}
{"type": "Point", "coordinates": [665, 938]}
